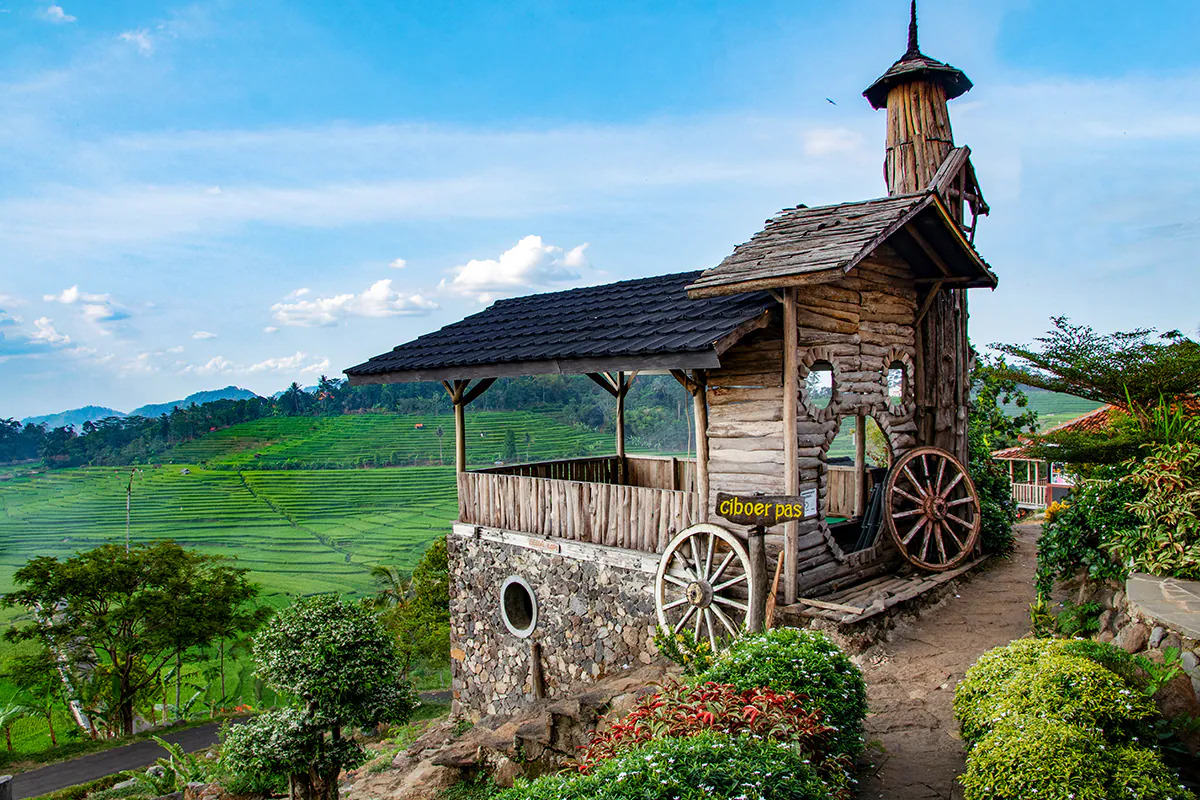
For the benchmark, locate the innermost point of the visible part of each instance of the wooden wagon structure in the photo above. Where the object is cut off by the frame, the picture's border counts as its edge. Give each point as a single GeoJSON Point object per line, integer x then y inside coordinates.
{"type": "Point", "coordinates": [561, 570]}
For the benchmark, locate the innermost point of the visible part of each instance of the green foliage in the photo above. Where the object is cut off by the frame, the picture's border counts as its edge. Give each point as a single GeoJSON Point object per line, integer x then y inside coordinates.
{"type": "Point", "coordinates": [89, 789]}
{"type": "Point", "coordinates": [258, 756]}
{"type": "Point", "coordinates": [418, 614]}
{"type": "Point", "coordinates": [805, 662]}
{"type": "Point", "coordinates": [993, 425]}
{"type": "Point", "coordinates": [1072, 539]}
{"type": "Point", "coordinates": [1168, 541]}
{"type": "Point", "coordinates": [704, 767]}
{"type": "Point", "coordinates": [173, 773]}
{"type": "Point", "coordinates": [134, 610]}
{"type": "Point", "coordinates": [684, 648]}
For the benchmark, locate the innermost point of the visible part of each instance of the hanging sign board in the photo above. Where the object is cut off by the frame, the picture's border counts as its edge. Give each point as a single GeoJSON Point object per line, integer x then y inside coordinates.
{"type": "Point", "coordinates": [766, 510]}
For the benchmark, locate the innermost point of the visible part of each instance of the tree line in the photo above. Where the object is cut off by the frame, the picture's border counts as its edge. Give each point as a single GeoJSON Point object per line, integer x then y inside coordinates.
{"type": "Point", "coordinates": [656, 416]}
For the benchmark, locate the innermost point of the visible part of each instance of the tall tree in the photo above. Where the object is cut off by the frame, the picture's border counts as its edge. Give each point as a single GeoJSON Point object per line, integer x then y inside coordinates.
{"type": "Point", "coordinates": [133, 610]}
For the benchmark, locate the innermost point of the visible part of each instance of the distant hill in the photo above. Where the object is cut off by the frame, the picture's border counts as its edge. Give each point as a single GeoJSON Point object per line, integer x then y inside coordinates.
{"type": "Point", "coordinates": [1053, 408]}
{"type": "Point", "coordinates": [199, 398]}
{"type": "Point", "coordinates": [78, 416]}
{"type": "Point", "coordinates": [75, 417]}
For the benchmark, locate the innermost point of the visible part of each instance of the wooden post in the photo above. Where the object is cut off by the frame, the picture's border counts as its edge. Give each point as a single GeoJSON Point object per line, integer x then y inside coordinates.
{"type": "Point", "coordinates": [460, 437]}
{"type": "Point", "coordinates": [757, 550]}
{"type": "Point", "coordinates": [860, 465]}
{"type": "Point", "coordinates": [621, 389]}
{"type": "Point", "coordinates": [537, 675]}
{"type": "Point", "coordinates": [700, 412]}
{"type": "Point", "coordinates": [791, 473]}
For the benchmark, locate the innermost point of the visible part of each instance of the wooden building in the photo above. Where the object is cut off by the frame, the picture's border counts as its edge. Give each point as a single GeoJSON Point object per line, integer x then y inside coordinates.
{"type": "Point", "coordinates": [562, 570]}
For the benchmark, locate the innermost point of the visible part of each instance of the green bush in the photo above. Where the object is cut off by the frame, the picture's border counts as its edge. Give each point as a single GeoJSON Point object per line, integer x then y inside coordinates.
{"type": "Point", "coordinates": [1026, 757]}
{"type": "Point", "coordinates": [1140, 772]}
{"type": "Point", "coordinates": [1096, 512]}
{"type": "Point", "coordinates": [807, 663]}
{"type": "Point", "coordinates": [704, 767]}
{"type": "Point", "coordinates": [997, 510]}
{"type": "Point", "coordinates": [1168, 542]}
{"type": "Point", "coordinates": [1072, 680]}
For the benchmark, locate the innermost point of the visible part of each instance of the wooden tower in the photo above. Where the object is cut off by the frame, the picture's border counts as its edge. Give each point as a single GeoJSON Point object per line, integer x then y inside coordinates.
{"type": "Point", "coordinates": [915, 91]}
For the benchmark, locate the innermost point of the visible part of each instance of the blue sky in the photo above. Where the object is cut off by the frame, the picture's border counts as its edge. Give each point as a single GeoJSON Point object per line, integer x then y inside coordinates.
{"type": "Point", "coordinates": [223, 192]}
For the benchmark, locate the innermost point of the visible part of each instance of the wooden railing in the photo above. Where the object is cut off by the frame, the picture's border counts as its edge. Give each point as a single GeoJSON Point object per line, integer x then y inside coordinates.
{"type": "Point", "coordinates": [589, 507]}
{"type": "Point", "coordinates": [1029, 495]}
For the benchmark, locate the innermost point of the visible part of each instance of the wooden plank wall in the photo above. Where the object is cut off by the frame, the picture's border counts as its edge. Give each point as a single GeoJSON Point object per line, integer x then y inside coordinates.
{"type": "Point", "coordinates": [632, 517]}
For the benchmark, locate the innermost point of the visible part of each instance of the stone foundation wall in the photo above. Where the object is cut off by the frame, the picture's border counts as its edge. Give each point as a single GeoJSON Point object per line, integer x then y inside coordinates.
{"type": "Point", "coordinates": [595, 616]}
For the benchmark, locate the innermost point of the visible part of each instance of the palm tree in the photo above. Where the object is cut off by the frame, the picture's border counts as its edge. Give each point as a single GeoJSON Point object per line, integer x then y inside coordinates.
{"type": "Point", "coordinates": [9, 714]}
{"type": "Point", "coordinates": [394, 588]}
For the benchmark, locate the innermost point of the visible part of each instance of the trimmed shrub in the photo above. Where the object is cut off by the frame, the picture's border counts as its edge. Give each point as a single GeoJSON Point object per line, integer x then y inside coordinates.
{"type": "Point", "coordinates": [678, 711]}
{"type": "Point", "coordinates": [1029, 756]}
{"type": "Point", "coordinates": [708, 766]}
{"type": "Point", "coordinates": [809, 664]}
{"type": "Point", "coordinates": [1138, 772]}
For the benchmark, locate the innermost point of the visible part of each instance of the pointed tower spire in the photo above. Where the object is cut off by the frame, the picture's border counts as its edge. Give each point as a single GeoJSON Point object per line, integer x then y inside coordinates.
{"type": "Point", "coordinates": [914, 49]}
{"type": "Point", "coordinates": [915, 91]}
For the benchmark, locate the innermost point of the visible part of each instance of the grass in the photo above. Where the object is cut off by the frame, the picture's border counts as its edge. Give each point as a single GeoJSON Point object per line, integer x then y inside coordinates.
{"type": "Point", "coordinates": [1054, 408]}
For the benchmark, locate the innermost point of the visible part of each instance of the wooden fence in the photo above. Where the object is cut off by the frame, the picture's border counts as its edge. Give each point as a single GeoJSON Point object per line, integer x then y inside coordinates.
{"type": "Point", "coordinates": [633, 517]}
{"type": "Point", "coordinates": [1029, 495]}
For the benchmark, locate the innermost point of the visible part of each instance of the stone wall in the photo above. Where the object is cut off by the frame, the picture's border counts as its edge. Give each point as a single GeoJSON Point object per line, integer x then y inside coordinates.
{"type": "Point", "coordinates": [595, 616]}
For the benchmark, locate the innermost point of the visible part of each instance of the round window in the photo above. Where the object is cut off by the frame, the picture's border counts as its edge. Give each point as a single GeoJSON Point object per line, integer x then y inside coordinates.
{"type": "Point", "coordinates": [518, 606]}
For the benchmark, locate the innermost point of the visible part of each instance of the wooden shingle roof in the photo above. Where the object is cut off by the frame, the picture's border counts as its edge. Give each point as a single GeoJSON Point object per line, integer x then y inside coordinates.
{"type": "Point", "coordinates": [644, 324]}
{"type": "Point", "coordinates": [809, 245]}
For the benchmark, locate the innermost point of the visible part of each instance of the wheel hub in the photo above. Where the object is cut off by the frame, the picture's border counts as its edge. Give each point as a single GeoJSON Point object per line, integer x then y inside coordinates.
{"type": "Point", "coordinates": [934, 507]}
{"type": "Point", "coordinates": [699, 593]}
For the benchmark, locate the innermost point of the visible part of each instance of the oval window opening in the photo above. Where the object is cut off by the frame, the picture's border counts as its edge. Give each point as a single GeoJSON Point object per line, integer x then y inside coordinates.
{"type": "Point", "coordinates": [518, 606]}
{"type": "Point", "coordinates": [819, 384]}
{"type": "Point", "coordinates": [896, 383]}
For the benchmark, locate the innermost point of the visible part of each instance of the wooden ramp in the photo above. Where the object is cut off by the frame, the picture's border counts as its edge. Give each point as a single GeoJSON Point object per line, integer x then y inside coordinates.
{"type": "Point", "coordinates": [875, 596]}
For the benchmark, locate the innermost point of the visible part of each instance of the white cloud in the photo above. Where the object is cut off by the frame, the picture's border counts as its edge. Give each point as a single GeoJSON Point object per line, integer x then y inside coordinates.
{"type": "Point", "coordinates": [398, 263]}
{"type": "Point", "coordinates": [528, 264]}
{"type": "Point", "coordinates": [95, 308]}
{"type": "Point", "coordinates": [56, 15]}
{"type": "Point", "coordinates": [46, 332]}
{"type": "Point", "coordinates": [214, 366]}
{"type": "Point", "coordinates": [204, 335]}
{"type": "Point", "coordinates": [378, 300]}
{"type": "Point", "coordinates": [300, 362]}
{"type": "Point", "coordinates": [270, 329]}
{"type": "Point", "coordinates": [140, 39]}
{"type": "Point", "coordinates": [176, 349]}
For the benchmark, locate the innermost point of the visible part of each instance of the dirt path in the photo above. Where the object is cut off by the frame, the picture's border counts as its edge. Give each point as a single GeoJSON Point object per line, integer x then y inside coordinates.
{"type": "Point", "coordinates": [911, 678]}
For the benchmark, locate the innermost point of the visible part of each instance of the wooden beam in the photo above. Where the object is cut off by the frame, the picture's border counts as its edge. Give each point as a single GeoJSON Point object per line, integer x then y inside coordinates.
{"type": "Point", "coordinates": [791, 473]}
{"type": "Point", "coordinates": [479, 388]}
{"type": "Point", "coordinates": [937, 260]}
{"type": "Point", "coordinates": [928, 303]}
{"type": "Point", "coordinates": [727, 341]}
{"type": "Point", "coordinates": [700, 413]}
{"type": "Point", "coordinates": [686, 382]}
{"type": "Point", "coordinates": [460, 427]}
{"type": "Point", "coordinates": [622, 389]}
{"type": "Point", "coordinates": [602, 380]}
{"type": "Point", "coordinates": [734, 286]}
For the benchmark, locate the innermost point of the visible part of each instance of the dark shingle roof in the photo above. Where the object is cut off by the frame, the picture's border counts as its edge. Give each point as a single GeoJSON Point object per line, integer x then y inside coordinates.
{"type": "Point", "coordinates": [647, 323]}
{"type": "Point", "coordinates": [835, 239]}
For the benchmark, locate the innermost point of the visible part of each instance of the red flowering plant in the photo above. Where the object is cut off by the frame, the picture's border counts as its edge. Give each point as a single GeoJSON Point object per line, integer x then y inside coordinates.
{"type": "Point", "coordinates": [679, 710]}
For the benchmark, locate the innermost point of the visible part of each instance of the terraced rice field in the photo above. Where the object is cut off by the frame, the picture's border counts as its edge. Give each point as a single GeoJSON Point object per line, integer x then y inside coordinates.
{"type": "Point", "coordinates": [297, 531]}
{"type": "Point", "coordinates": [384, 439]}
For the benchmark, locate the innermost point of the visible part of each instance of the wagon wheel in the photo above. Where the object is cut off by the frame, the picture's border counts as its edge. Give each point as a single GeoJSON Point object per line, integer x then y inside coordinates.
{"type": "Point", "coordinates": [704, 582]}
{"type": "Point", "coordinates": [932, 509]}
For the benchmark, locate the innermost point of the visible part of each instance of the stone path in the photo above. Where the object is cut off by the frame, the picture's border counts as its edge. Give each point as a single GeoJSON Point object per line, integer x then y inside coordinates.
{"type": "Point", "coordinates": [911, 677]}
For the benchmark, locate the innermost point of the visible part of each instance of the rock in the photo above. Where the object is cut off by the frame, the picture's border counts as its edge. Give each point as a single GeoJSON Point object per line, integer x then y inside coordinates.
{"type": "Point", "coordinates": [506, 772]}
{"type": "Point", "coordinates": [1118, 600]}
{"type": "Point", "coordinates": [1177, 700]}
{"type": "Point", "coordinates": [1172, 640]}
{"type": "Point", "coordinates": [1133, 638]}
{"type": "Point", "coordinates": [1105, 636]}
{"type": "Point", "coordinates": [129, 784]}
{"type": "Point", "coordinates": [1106, 619]}
{"type": "Point", "coordinates": [427, 780]}
{"type": "Point", "coordinates": [1190, 663]}
{"type": "Point", "coordinates": [1157, 635]}
{"type": "Point", "coordinates": [459, 755]}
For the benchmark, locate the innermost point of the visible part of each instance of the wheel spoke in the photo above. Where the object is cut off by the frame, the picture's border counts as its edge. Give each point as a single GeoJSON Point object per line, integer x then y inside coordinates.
{"type": "Point", "coordinates": [712, 546]}
{"type": "Point", "coordinates": [695, 557]}
{"type": "Point", "coordinates": [958, 477]}
{"type": "Point", "coordinates": [903, 493]}
{"type": "Point", "coordinates": [683, 620]}
{"type": "Point", "coordinates": [941, 471]}
{"type": "Point", "coordinates": [941, 545]}
{"type": "Point", "coordinates": [960, 521]}
{"type": "Point", "coordinates": [728, 602]}
{"type": "Point", "coordinates": [669, 578]}
{"type": "Point", "coordinates": [712, 637]}
{"type": "Point", "coordinates": [699, 622]}
{"type": "Point", "coordinates": [925, 545]}
{"type": "Point", "coordinates": [957, 541]}
{"type": "Point", "coordinates": [920, 524]}
{"type": "Point", "coordinates": [913, 478]}
{"type": "Point", "coordinates": [730, 582]}
{"type": "Point", "coordinates": [726, 621]}
{"type": "Point", "coordinates": [721, 569]}
{"type": "Point", "coordinates": [925, 470]}
{"type": "Point", "coordinates": [904, 514]}
{"type": "Point", "coordinates": [686, 569]}
{"type": "Point", "coordinates": [960, 501]}
{"type": "Point", "coordinates": [674, 603]}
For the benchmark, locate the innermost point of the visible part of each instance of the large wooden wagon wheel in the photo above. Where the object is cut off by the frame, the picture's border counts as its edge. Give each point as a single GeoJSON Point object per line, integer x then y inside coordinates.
{"type": "Point", "coordinates": [704, 584]}
{"type": "Point", "coordinates": [932, 509]}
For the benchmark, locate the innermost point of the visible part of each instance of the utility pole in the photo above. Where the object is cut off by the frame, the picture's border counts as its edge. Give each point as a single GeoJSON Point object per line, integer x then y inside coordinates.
{"type": "Point", "coordinates": [128, 496]}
